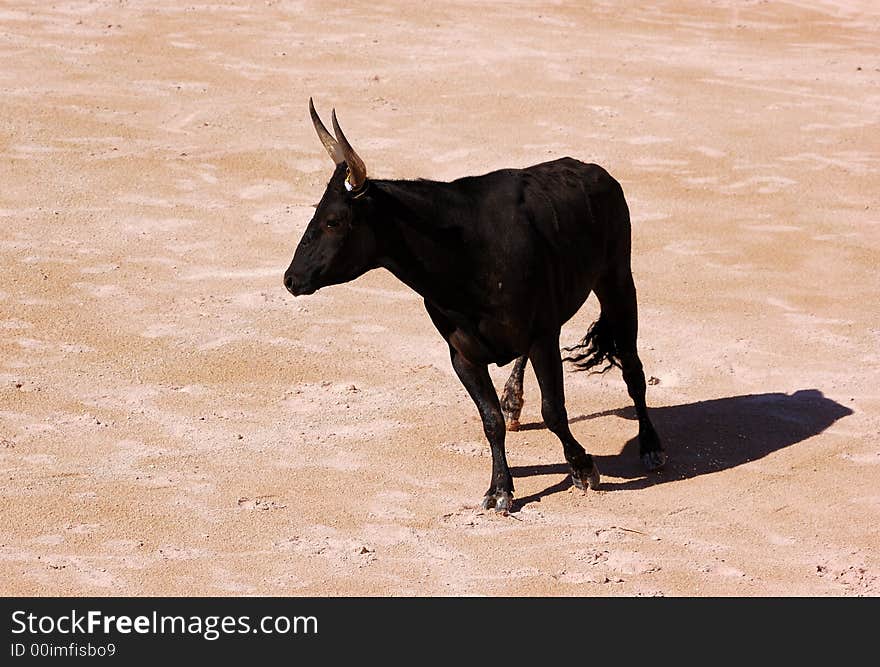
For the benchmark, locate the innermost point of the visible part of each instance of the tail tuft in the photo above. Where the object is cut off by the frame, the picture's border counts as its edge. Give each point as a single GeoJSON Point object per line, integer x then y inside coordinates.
{"type": "Point", "coordinates": [596, 348]}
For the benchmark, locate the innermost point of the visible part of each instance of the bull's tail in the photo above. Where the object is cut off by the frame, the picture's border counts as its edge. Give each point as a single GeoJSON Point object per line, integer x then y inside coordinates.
{"type": "Point", "coordinates": [596, 348]}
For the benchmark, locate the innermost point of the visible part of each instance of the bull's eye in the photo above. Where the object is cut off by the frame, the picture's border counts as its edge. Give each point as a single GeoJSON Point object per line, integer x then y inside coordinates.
{"type": "Point", "coordinates": [332, 222]}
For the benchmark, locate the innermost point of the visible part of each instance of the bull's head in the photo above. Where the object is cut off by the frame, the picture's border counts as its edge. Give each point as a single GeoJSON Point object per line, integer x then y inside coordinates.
{"type": "Point", "coordinates": [338, 244]}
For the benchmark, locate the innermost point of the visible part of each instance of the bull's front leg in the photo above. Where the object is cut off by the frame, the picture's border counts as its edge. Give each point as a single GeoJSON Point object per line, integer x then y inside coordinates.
{"type": "Point", "coordinates": [476, 379]}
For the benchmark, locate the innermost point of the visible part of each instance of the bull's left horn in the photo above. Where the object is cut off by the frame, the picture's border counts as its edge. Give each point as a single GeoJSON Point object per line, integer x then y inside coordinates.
{"type": "Point", "coordinates": [357, 170]}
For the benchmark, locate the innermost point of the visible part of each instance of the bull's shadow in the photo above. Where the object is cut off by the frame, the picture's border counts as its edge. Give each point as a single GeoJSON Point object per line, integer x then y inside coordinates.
{"type": "Point", "coordinates": [704, 437]}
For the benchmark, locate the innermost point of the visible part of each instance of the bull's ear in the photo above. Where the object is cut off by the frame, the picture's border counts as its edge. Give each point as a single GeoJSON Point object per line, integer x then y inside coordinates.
{"type": "Point", "coordinates": [332, 146]}
{"type": "Point", "coordinates": [357, 170]}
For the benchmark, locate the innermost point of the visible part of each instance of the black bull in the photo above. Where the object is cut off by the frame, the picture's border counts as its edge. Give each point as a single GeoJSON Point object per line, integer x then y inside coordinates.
{"type": "Point", "coordinates": [503, 261]}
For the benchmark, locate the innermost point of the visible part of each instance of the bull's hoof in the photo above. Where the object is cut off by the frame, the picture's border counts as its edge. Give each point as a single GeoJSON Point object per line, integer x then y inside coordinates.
{"type": "Point", "coordinates": [654, 460]}
{"type": "Point", "coordinates": [500, 501]}
{"type": "Point", "coordinates": [513, 424]}
{"type": "Point", "coordinates": [586, 479]}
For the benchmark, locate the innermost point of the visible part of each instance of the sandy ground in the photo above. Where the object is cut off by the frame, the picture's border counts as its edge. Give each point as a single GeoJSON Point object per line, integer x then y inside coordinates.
{"type": "Point", "coordinates": [173, 422]}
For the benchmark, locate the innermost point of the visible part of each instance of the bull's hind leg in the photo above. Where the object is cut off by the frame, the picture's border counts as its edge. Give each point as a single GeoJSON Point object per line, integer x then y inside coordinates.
{"type": "Point", "coordinates": [476, 379]}
{"type": "Point", "coordinates": [547, 362]}
{"type": "Point", "coordinates": [617, 295]}
{"type": "Point", "coordinates": [512, 396]}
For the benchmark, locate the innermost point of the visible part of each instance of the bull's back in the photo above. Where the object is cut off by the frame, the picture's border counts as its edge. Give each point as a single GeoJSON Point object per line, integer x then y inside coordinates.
{"type": "Point", "coordinates": [537, 240]}
{"type": "Point", "coordinates": [579, 213]}
{"type": "Point", "coordinates": [578, 207]}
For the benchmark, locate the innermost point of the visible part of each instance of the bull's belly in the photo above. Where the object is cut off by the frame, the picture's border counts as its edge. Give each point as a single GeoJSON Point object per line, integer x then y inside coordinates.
{"type": "Point", "coordinates": [506, 337]}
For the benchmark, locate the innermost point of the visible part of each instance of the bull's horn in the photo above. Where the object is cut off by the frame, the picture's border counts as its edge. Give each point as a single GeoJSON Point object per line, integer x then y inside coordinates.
{"type": "Point", "coordinates": [357, 170]}
{"type": "Point", "coordinates": [332, 146]}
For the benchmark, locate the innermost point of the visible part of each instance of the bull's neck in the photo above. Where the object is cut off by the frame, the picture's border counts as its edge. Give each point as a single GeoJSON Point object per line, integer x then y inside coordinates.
{"type": "Point", "coordinates": [416, 239]}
